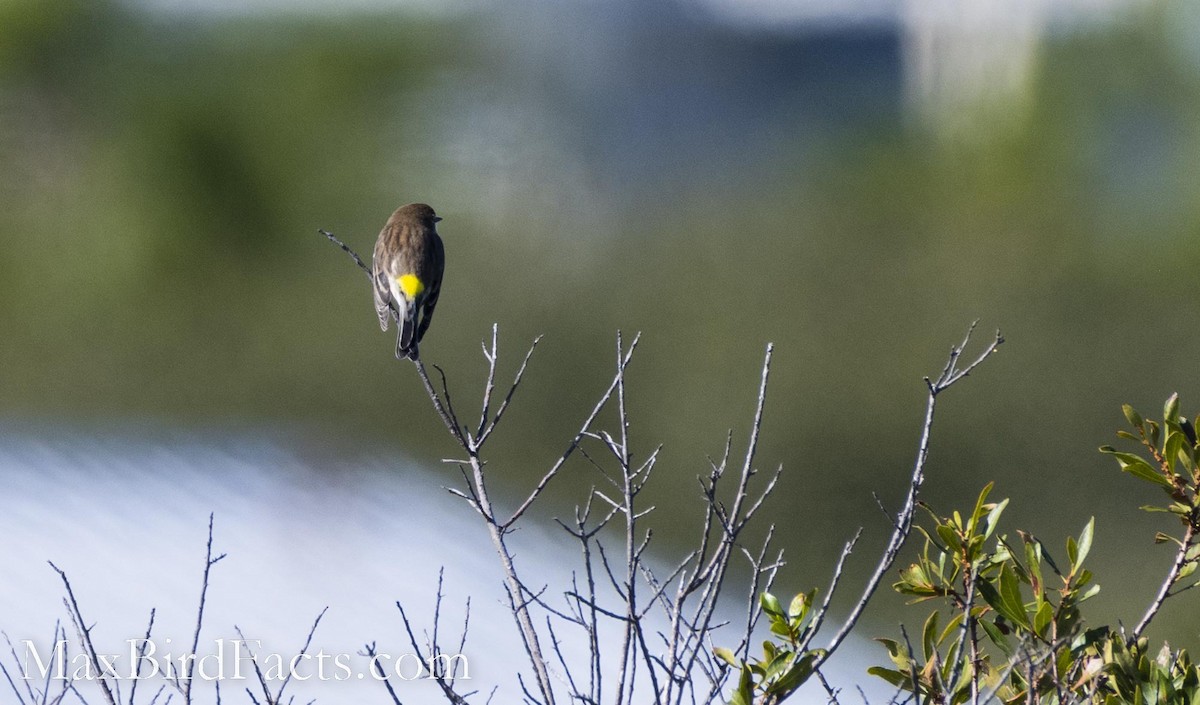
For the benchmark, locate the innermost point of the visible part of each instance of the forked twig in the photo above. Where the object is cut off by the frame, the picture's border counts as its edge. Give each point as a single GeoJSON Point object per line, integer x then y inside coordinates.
{"type": "Point", "coordinates": [85, 637]}
{"type": "Point", "coordinates": [950, 374]}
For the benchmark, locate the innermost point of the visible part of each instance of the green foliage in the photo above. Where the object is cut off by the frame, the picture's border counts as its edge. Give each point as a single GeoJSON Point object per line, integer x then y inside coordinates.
{"type": "Point", "coordinates": [1025, 639]}
{"type": "Point", "coordinates": [1168, 459]}
{"type": "Point", "coordinates": [1010, 602]}
{"type": "Point", "coordinates": [1008, 623]}
{"type": "Point", "coordinates": [1130, 675]}
{"type": "Point", "coordinates": [786, 664]}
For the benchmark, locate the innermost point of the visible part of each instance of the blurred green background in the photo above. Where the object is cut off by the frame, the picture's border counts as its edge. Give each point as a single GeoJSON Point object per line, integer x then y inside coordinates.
{"type": "Point", "coordinates": [713, 182]}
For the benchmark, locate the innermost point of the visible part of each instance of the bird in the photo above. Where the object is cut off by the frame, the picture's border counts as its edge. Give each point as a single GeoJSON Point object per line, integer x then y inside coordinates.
{"type": "Point", "coordinates": [406, 270]}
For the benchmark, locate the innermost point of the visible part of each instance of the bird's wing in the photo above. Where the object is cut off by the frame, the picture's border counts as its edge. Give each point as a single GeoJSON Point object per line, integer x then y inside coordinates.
{"type": "Point", "coordinates": [435, 286]}
{"type": "Point", "coordinates": [384, 305]}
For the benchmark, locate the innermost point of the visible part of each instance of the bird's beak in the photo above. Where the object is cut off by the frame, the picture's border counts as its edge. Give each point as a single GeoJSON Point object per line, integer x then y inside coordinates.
{"type": "Point", "coordinates": [437, 219]}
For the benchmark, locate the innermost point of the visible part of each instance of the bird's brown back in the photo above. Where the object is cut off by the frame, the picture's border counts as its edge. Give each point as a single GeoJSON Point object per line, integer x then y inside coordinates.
{"type": "Point", "coordinates": [406, 244]}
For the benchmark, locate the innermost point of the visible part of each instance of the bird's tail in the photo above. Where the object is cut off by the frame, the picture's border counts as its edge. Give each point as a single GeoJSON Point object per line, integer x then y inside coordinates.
{"type": "Point", "coordinates": [406, 336]}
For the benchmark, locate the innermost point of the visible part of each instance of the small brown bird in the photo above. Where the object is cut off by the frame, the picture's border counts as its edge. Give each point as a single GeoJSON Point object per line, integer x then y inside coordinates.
{"type": "Point", "coordinates": [407, 269]}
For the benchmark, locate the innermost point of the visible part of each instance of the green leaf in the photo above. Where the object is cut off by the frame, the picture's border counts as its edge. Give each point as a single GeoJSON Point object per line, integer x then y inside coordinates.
{"type": "Point", "coordinates": [1160, 537]}
{"type": "Point", "coordinates": [727, 656]}
{"type": "Point", "coordinates": [979, 504]}
{"type": "Point", "coordinates": [951, 627]}
{"type": "Point", "coordinates": [777, 666]}
{"type": "Point", "coordinates": [996, 635]}
{"type": "Point", "coordinates": [794, 678]}
{"type": "Point", "coordinates": [1005, 597]}
{"type": "Point", "coordinates": [1175, 444]}
{"type": "Point", "coordinates": [744, 694]}
{"type": "Point", "coordinates": [1033, 558]}
{"type": "Point", "coordinates": [949, 536]}
{"type": "Point", "coordinates": [914, 581]}
{"type": "Point", "coordinates": [896, 678]}
{"type": "Point", "coordinates": [897, 652]}
{"type": "Point", "coordinates": [1180, 508]}
{"type": "Point", "coordinates": [993, 518]}
{"type": "Point", "coordinates": [1043, 618]}
{"type": "Point", "coordinates": [1135, 465]}
{"type": "Point", "coordinates": [1171, 409]}
{"type": "Point", "coordinates": [991, 595]}
{"type": "Point", "coordinates": [929, 635]}
{"type": "Point", "coordinates": [1085, 543]}
{"type": "Point", "coordinates": [1133, 417]}
{"type": "Point", "coordinates": [1010, 590]}
{"type": "Point", "coordinates": [799, 606]}
{"type": "Point", "coordinates": [770, 605]}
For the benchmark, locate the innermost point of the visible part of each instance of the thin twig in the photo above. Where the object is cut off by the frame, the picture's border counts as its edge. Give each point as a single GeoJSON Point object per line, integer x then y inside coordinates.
{"type": "Point", "coordinates": [490, 384]}
{"type": "Point", "coordinates": [262, 679]}
{"type": "Point", "coordinates": [574, 445]}
{"type": "Point", "coordinates": [209, 562]}
{"type": "Point", "coordinates": [1164, 590]}
{"type": "Point", "coordinates": [829, 690]}
{"type": "Point", "coordinates": [141, 655]}
{"type": "Point", "coordinates": [486, 427]}
{"type": "Point", "coordinates": [904, 520]}
{"type": "Point", "coordinates": [438, 406]}
{"type": "Point", "coordinates": [303, 651]}
{"type": "Point", "coordinates": [85, 637]}
{"type": "Point", "coordinates": [960, 656]}
{"type": "Point", "coordinates": [346, 248]}
{"type": "Point", "coordinates": [377, 672]}
{"type": "Point", "coordinates": [819, 617]}
{"type": "Point", "coordinates": [433, 651]}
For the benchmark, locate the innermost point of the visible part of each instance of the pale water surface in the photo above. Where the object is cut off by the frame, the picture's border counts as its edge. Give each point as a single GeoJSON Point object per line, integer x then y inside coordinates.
{"type": "Point", "coordinates": [127, 518]}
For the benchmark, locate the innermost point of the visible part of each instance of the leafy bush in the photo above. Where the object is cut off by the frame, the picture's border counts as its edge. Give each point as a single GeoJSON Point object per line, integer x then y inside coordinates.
{"type": "Point", "coordinates": [1008, 622]}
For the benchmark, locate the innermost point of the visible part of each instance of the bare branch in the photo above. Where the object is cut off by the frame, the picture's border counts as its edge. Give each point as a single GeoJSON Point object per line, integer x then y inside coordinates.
{"type": "Point", "coordinates": [141, 654]}
{"type": "Point", "coordinates": [1164, 590]}
{"type": "Point", "coordinates": [377, 670]}
{"type": "Point", "coordinates": [964, 629]}
{"type": "Point", "coordinates": [262, 679]}
{"type": "Point", "coordinates": [491, 426]}
{"type": "Point", "coordinates": [489, 385]}
{"type": "Point", "coordinates": [444, 681]}
{"type": "Point", "coordinates": [346, 248]}
{"type": "Point", "coordinates": [439, 407]}
{"type": "Point", "coordinates": [85, 637]}
{"type": "Point", "coordinates": [58, 637]}
{"type": "Point", "coordinates": [303, 650]}
{"type": "Point", "coordinates": [209, 562]}
{"type": "Point", "coordinates": [541, 486]}
{"type": "Point", "coordinates": [904, 520]}
{"type": "Point", "coordinates": [819, 617]}
{"type": "Point", "coordinates": [829, 690]}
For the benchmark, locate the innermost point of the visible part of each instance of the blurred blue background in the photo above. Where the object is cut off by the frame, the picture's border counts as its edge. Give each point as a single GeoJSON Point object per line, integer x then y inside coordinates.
{"type": "Point", "coordinates": [855, 181]}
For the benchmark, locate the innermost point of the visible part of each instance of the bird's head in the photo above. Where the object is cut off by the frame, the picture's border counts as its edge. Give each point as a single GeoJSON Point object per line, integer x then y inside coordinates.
{"type": "Point", "coordinates": [419, 212]}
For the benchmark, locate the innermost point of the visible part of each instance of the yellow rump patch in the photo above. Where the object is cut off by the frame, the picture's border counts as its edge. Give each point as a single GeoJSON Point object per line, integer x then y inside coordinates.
{"type": "Point", "coordinates": [410, 284]}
